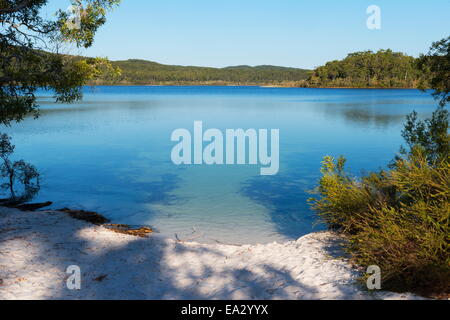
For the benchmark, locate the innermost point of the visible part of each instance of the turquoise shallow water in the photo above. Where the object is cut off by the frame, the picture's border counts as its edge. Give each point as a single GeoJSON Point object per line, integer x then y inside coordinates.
{"type": "Point", "coordinates": [111, 153]}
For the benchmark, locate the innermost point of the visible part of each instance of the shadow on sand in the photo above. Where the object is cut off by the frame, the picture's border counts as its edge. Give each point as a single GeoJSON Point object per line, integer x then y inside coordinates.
{"type": "Point", "coordinates": [114, 267]}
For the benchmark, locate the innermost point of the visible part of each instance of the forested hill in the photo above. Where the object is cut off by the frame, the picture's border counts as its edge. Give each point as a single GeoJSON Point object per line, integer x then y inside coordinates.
{"type": "Point", "coordinates": [148, 72]}
{"type": "Point", "coordinates": [367, 69]}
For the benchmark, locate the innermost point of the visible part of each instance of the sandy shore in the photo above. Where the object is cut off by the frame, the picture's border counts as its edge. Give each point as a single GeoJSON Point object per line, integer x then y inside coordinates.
{"type": "Point", "coordinates": [37, 247]}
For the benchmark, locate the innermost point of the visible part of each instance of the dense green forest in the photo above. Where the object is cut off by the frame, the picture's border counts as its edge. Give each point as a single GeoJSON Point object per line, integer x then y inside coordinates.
{"type": "Point", "coordinates": [367, 69]}
{"type": "Point", "coordinates": [147, 72]}
{"type": "Point", "coordinates": [382, 69]}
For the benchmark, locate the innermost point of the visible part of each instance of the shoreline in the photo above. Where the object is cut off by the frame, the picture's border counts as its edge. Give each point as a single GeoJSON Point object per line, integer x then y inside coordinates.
{"type": "Point", "coordinates": [37, 247]}
{"type": "Point", "coordinates": [243, 85]}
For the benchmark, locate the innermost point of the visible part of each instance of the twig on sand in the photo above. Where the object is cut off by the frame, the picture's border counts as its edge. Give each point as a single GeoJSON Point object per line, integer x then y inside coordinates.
{"type": "Point", "coordinates": [101, 278]}
{"type": "Point", "coordinates": [98, 219]}
{"type": "Point", "coordinates": [88, 216]}
{"type": "Point", "coordinates": [142, 232]}
{"type": "Point", "coordinates": [187, 240]}
{"type": "Point", "coordinates": [227, 244]}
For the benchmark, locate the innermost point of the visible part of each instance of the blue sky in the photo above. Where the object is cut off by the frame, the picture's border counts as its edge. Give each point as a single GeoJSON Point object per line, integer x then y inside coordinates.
{"type": "Point", "coordinates": [297, 33]}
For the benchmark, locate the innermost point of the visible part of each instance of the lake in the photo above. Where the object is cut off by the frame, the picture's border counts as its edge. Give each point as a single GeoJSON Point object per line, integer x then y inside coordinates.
{"type": "Point", "coordinates": [111, 153]}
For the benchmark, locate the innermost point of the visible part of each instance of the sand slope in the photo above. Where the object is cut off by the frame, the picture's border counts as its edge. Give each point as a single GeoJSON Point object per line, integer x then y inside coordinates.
{"type": "Point", "coordinates": [36, 248]}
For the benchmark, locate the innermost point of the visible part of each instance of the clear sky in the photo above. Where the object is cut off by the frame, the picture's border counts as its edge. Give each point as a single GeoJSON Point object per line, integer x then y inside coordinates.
{"type": "Point", "coordinates": [297, 33]}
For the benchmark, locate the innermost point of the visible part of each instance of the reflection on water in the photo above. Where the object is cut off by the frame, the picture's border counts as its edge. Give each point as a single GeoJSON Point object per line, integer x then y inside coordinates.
{"type": "Point", "coordinates": [368, 113]}
{"type": "Point", "coordinates": [111, 153]}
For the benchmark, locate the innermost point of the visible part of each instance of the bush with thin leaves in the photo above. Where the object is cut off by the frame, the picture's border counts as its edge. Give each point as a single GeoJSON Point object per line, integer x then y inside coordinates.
{"type": "Point", "coordinates": [397, 219]}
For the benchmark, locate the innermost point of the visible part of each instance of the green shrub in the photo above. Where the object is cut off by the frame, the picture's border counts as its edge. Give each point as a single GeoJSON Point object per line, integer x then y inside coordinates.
{"type": "Point", "coordinates": [397, 219]}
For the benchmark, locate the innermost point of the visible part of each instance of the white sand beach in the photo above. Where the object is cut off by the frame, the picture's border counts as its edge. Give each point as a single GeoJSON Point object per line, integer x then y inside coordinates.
{"type": "Point", "coordinates": [37, 247]}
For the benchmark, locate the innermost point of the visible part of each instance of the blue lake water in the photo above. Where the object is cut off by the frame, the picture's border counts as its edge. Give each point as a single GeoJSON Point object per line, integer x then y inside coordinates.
{"type": "Point", "coordinates": [110, 153]}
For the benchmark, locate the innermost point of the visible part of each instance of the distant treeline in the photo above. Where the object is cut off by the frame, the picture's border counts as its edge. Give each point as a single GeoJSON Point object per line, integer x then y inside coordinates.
{"type": "Point", "coordinates": [382, 69]}
{"type": "Point", "coordinates": [367, 69]}
{"type": "Point", "coordinates": [147, 72]}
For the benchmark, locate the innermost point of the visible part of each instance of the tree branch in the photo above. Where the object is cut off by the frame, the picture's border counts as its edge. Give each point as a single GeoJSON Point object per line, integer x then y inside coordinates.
{"type": "Point", "coordinates": [21, 5]}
